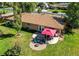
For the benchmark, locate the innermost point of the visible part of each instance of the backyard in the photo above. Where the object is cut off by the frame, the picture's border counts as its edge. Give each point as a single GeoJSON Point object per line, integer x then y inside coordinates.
{"type": "Point", "coordinates": [68, 47]}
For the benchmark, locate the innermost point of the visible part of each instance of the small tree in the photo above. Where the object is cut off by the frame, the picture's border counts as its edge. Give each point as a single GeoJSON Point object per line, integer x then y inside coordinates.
{"type": "Point", "coordinates": [17, 16]}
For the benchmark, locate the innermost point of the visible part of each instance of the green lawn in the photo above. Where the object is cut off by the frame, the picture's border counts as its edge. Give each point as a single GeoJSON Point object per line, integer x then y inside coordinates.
{"type": "Point", "coordinates": [6, 10]}
{"type": "Point", "coordinates": [68, 47]}
{"type": "Point", "coordinates": [63, 11]}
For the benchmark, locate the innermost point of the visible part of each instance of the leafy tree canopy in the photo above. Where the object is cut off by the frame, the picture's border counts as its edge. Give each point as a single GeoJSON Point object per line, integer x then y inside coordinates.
{"type": "Point", "coordinates": [30, 7]}
{"type": "Point", "coordinates": [73, 14]}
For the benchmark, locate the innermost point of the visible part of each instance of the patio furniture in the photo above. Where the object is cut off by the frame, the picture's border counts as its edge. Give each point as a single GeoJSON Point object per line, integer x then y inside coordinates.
{"type": "Point", "coordinates": [48, 31]}
{"type": "Point", "coordinates": [39, 39]}
{"type": "Point", "coordinates": [37, 47]}
{"type": "Point", "coordinates": [48, 38]}
{"type": "Point", "coordinates": [34, 35]}
{"type": "Point", "coordinates": [54, 40]}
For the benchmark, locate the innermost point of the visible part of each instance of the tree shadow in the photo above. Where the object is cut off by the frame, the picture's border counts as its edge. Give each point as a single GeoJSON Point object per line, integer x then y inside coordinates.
{"type": "Point", "coordinates": [6, 36]}
{"type": "Point", "coordinates": [15, 51]}
{"type": "Point", "coordinates": [28, 30]}
{"type": "Point", "coordinates": [69, 32]}
{"type": "Point", "coordinates": [68, 29]}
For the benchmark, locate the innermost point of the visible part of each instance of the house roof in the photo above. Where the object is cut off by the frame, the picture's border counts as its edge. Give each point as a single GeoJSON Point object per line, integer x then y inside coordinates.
{"type": "Point", "coordinates": [40, 19]}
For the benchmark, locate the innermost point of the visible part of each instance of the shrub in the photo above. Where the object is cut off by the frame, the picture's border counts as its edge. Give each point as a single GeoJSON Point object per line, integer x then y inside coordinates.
{"type": "Point", "coordinates": [8, 24]}
{"type": "Point", "coordinates": [15, 51]}
{"type": "Point", "coordinates": [55, 11]}
{"type": "Point", "coordinates": [39, 10]}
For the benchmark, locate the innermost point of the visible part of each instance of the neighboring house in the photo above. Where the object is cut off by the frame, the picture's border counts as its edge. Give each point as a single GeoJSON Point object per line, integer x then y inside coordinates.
{"type": "Point", "coordinates": [47, 6]}
{"type": "Point", "coordinates": [60, 5]}
{"type": "Point", "coordinates": [38, 21]}
{"type": "Point", "coordinates": [43, 5]}
{"type": "Point", "coordinates": [44, 11]}
{"type": "Point", "coordinates": [7, 15]}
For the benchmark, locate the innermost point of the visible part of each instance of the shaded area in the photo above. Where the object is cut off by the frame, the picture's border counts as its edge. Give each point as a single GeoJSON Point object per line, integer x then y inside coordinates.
{"type": "Point", "coordinates": [15, 51]}
{"type": "Point", "coordinates": [28, 30]}
{"type": "Point", "coordinates": [59, 20]}
{"type": "Point", "coordinates": [10, 24]}
{"type": "Point", "coordinates": [6, 36]}
{"type": "Point", "coordinates": [68, 31]}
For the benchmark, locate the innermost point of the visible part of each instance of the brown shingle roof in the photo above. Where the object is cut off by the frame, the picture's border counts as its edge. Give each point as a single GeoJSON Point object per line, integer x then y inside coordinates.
{"type": "Point", "coordinates": [40, 19]}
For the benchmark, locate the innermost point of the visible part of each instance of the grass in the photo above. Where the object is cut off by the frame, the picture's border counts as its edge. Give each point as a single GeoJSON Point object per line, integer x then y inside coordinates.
{"type": "Point", "coordinates": [6, 10]}
{"type": "Point", "coordinates": [63, 11]}
{"type": "Point", "coordinates": [68, 47]}
{"type": "Point", "coordinates": [6, 42]}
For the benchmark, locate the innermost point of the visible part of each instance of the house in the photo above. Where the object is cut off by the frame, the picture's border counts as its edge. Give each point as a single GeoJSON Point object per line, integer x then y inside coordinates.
{"type": "Point", "coordinates": [60, 5]}
{"type": "Point", "coordinates": [38, 21]}
{"type": "Point", "coordinates": [6, 15]}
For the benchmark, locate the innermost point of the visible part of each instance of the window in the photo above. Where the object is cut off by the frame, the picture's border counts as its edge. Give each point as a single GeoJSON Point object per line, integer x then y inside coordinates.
{"type": "Point", "coordinates": [40, 28]}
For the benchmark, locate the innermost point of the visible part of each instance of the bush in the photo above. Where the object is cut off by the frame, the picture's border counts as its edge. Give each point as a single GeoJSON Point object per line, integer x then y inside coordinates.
{"type": "Point", "coordinates": [3, 11]}
{"type": "Point", "coordinates": [55, 11]}
{"type": "Point", "coordinates": [8, 24]}
{"type": "Point", "coordinates": [15, 51]}
{"type": "Point", "coordinates": [39, 10]}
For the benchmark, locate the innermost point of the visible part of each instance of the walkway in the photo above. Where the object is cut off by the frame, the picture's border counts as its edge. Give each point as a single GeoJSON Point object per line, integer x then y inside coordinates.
{"type": "Point", "coordinates": [37, 47]}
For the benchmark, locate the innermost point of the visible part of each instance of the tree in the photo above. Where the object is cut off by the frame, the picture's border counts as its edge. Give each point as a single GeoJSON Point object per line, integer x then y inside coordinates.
{"type": "Point", "coordinates": [29, 7]}
{"type": "Point", "coordinates": [17, 16]}
{"type": "Point", "coordinates": [39, 10]}
{"type": "Point", "coordinates": [42, 5]}
{"type": "Point", "coordinates": [52, 3]}
{"type": "Point", "coordinates": [72, 18]}
{"type": "Point", "coordinates": [2, 21]}
{"type": "Point", "coordinates": [3, 7]}
{"type": "Point", "coordinates": [22, 6]}
{"type": "Point", "coordinates": [73, 14]}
